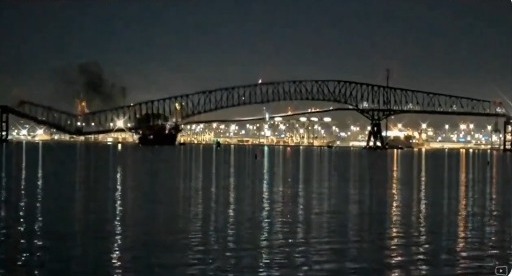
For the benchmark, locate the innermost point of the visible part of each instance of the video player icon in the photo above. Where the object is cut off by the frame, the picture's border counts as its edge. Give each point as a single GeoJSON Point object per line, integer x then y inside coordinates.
{"type": "Point", "coordinates": [501, 270]}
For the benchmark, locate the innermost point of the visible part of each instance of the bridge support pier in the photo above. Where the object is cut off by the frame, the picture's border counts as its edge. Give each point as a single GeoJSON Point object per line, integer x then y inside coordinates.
{"type": "Point", "coordinates": [507, 135]}
{"type": "Point", "coordinates": [4, 126]}
{"type": "Point", "coordinates": [375, 135]}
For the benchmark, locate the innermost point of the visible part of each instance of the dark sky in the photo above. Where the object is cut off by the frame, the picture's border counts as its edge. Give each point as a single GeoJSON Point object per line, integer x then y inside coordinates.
{"type": "Point", "coordinates": [167, 48]}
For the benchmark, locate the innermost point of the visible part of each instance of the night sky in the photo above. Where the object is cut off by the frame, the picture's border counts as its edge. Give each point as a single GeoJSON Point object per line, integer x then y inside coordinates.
{"type": "Point", "coordinates": [166, 48]}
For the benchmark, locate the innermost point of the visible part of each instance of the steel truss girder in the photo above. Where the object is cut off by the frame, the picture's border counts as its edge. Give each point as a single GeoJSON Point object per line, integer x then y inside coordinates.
{"type": "Point", "coordinates": [375, 102]}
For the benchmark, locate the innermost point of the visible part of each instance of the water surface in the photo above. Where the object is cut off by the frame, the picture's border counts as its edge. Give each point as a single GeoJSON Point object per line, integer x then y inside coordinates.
{"type": "Point", "coordinates": [90, 209]}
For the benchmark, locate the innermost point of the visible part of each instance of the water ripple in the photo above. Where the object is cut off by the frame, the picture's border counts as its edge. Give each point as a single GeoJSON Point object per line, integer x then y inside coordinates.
{"type": "Point", "coordinates": [258, 210]}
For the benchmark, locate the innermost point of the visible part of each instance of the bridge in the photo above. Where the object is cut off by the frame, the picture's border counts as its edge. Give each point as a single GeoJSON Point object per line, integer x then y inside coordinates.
{"type": "Point", "coordinates": [375, 102]}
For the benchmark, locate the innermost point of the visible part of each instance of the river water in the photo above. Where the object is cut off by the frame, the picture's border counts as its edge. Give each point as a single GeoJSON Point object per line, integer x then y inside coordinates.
{"type": "Point", "coordinates": [90, 209]}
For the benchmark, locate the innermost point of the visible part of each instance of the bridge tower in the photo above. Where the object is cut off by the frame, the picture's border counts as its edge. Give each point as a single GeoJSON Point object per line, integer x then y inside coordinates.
{"type": "Point", "coordinates": [375, 130]}
{"type": "Point", "coordinates": [4, 125]}
{"type": "Point", "coordinates": [375, 135]}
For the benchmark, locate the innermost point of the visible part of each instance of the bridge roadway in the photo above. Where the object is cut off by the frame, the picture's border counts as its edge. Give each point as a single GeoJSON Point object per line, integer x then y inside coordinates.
{"type": "Point", "coordinates": [375, 102]}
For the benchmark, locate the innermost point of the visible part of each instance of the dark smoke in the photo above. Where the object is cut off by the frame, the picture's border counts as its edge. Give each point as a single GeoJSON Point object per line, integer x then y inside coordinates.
{"type": "Point", "coordinates": [87, 81]}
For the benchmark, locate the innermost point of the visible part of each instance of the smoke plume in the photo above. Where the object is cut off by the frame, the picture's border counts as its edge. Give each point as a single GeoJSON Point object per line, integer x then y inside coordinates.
{"type": "Point", "coordinates": [87, 81]}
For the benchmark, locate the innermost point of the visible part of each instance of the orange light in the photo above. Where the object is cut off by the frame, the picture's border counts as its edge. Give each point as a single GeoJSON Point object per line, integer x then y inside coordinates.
{"type": "Point", "coordinates": [82, 107]}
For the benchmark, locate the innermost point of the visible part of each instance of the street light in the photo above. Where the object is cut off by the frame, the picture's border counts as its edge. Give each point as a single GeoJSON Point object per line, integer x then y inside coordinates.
{"type": "Point", "coordinates": [423, 125]}
{"type": "Point", "coordinates": [446, 127]}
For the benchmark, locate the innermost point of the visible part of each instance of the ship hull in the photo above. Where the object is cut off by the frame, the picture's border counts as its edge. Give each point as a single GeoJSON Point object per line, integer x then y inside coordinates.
{"type": "Point", "coordinates": [159, 136]}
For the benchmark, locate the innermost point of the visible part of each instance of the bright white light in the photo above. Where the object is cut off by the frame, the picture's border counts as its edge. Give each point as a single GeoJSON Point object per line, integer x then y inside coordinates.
{"type": "Point", "coordinates": [423, 125]}
{"type": "Point", "coordinates": [266, 116]}
{"type": "Point", "coordinates": [92, 124]}
{"type": "Point", "coordinates": [463, 126]}
{"type": "Point", "coordinates": [471, 126]}
{"type": "Point", "coordinates": [24, 132]}
{"type": "Point", "coordinates": [303, 119]}
{"type": "Point", "coordinates": [259, 81]}
{"type": "Point", "coordinates": [39, 131]}
{"type": "Point", "coordinates": [327, 119]}
{"type": "Point", "coordinates": [232, 127]}
{"type": "Point", "coordinates": [399, 125]}
{"type": "Point", "coordinates": [120, 123]}
{"type": "Point", "coordinates": [78, 123]}
{"type": "Point", "coordinates": [314, 119]}
{"type": "Point", "coordinates": [489, 128]}
{"type": "Point", "coordinates": [278, 119]}
{"type": "Point", "coordinates": [394, 133]}
{"type": "Point", "coordinates": [446, 127]}
{"type": "Point", "coordinates": [301, 131]}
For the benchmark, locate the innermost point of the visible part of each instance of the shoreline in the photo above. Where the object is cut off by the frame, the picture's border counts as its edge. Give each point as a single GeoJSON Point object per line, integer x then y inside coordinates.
{"type": "Point", "coordinates": [344, 145]}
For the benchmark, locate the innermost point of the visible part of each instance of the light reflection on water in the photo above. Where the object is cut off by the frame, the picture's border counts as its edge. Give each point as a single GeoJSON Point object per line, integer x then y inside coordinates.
{"type": "Point", "coordinates": [38, 225]}
{"type": "Point", "coordinates": [265, 217]}
{"type": "Point", "coordinates": [118, 228]}
{"type": "Point", "coordinates": [252, 210]}
{"type": "Point", "coordinates": [22, 205]}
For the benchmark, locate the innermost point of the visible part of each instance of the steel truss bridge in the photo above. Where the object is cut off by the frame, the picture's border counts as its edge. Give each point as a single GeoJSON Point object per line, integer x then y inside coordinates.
{"type": "Point", "coordinates": [375, 102]}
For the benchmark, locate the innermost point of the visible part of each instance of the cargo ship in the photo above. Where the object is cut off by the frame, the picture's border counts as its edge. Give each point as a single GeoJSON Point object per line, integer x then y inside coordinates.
{"type": "Point", "coordinates": [159, 135]}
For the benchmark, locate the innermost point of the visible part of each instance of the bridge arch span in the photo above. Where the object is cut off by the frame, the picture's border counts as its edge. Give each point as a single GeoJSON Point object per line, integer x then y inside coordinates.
{"type": "Point", "coordinates": [375, 102]}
